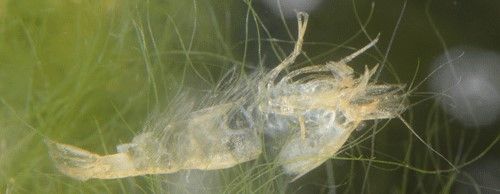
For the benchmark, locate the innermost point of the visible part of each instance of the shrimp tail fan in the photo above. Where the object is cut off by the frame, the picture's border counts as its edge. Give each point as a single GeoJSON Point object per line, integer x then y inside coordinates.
{"type": "Point", "coordinates": [82, 164]}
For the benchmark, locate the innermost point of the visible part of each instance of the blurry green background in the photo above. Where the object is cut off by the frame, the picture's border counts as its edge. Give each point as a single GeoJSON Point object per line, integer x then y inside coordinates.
{"type": "Point", "coordinates": [91, 72]}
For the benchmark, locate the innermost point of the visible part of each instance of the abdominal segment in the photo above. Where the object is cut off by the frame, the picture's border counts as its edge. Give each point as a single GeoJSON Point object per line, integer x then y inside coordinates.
{"type": "Point", "coordinates": [204, 141]}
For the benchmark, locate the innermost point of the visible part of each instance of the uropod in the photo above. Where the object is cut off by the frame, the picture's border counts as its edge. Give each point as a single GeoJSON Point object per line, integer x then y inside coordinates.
{"type": "Point", "coordinates": [318, 106]}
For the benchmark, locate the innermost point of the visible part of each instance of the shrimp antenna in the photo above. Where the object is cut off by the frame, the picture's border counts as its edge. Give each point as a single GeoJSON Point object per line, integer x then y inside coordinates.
{"type": "Point", "coordinates": [425, 143]}
{"type": "Point", "coordinates": [302, 19]}
{"type": "Point", "coordinates": [357, 53]}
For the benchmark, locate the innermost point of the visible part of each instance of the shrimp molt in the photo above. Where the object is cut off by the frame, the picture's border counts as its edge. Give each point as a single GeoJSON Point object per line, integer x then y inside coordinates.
{"type": "Point", "coordinates": [311, 110]}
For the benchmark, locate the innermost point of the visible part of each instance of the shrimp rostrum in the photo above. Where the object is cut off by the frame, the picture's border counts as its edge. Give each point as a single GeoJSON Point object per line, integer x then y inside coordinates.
{"type": "Point", "coordinates": [311, 109]}
{"type": "Point", "coordinates": [320, 105]}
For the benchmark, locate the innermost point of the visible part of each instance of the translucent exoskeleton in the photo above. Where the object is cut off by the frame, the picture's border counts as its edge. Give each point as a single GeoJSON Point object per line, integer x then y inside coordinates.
{"type": "Point", "coordinates": [311, 109]}
{"type": "Point", "coordinates": [221, 135]}
{"type": "Point", "coordinates": [319, 106]}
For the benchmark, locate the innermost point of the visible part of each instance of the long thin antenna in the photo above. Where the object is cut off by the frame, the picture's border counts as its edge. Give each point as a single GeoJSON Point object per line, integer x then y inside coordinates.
{"type": "Point", "coordinates": [393, 36]}
{"type": "Point", "coordinates": [425, 143]}
{"type": "Point", "coordinates": [357, 53]}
